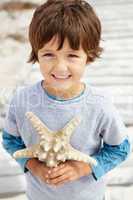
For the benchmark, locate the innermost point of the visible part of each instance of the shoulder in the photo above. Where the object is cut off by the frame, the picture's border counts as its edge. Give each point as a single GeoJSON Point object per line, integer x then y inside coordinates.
{"type": "Point", "coordinates": [25, 93]}
{"type": "Point", "coordinates": [99, 95]}
{"type": "Point", "coordinates": [28, 89]}
{"type": "Point", "coordinates": [100, 98]}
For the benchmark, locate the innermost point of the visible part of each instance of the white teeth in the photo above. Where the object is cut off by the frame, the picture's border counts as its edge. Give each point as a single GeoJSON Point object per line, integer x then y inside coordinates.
{"type": "Point", "coordinates": [61, 77]}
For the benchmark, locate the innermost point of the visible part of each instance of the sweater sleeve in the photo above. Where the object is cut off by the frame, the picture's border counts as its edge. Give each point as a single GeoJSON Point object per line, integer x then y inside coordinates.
{"type": "Point", "coordinates": [109, 157]}
{"type": "Point", "coordinates": [11, 137]}
{"type": "Point", "coordinates": [13, 143]}
{"type": "Point", "coordinates": [116, 145]}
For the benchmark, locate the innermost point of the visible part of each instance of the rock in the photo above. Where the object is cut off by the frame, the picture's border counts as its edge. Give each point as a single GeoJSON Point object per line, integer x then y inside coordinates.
{"type": "Point", "coordinates": [17, 6]}
{"type": "Point", "coordinates": [19, 23]}
{"type": "Point", "coordinates": [16, 65]}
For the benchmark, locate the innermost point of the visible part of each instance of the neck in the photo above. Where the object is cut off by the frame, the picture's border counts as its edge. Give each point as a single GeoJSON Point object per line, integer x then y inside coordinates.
{"type": "Point", "coordinates": [69, 93]}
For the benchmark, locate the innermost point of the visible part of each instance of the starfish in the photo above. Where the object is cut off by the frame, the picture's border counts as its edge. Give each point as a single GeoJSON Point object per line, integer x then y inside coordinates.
{"type": "Point", "coordinates": [53, 147]}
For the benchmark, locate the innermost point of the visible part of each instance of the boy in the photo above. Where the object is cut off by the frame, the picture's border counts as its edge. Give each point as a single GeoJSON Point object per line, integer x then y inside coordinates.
{"type": "Point", "coordinates": [65, 36]}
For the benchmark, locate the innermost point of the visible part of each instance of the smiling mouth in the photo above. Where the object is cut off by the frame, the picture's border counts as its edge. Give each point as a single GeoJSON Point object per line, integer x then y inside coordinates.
{"type": "Point", "coordinates": [61, 77]}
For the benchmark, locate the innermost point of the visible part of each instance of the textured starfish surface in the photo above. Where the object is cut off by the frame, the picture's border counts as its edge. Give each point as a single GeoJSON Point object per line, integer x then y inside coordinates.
{"type": "Point", "coordinates": [53, 147]}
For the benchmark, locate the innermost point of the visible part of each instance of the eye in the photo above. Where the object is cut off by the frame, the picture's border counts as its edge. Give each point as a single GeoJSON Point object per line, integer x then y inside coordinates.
{"type": "Point", "coordinates": [73, 56]}
{"type": "Point", "coordinates": [48, 55]}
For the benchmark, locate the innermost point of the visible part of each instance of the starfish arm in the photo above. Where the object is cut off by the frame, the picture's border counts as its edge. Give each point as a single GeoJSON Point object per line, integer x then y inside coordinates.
{"type": "Point", "coordinates": [69, 128]}
{"type": "Point", "coordinates": [74, 154]}
{"type": "Point", "coordinates": [38, 125]}
{"type": "Point", "coordinates": [30, 152]}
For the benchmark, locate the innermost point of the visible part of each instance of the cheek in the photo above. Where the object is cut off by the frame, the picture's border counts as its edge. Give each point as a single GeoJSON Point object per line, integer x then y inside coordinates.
{"type": "Point", "coordinates": [45, 68]}
{"type": "Point", "coordinates": [42, 69]}
{"type": "Point", "coordinates": [78, 71]}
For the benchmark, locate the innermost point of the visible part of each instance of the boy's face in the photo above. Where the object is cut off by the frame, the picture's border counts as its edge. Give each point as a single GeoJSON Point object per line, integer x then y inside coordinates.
{"type": "Point", "coordinates": [62, 68]}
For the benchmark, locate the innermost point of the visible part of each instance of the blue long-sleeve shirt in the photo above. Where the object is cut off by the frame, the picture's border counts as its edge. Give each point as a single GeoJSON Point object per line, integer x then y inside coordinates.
{"type": "Point", "coordinates": [100, 134]}
{"type": "Point", "coordinates": [108, 157]}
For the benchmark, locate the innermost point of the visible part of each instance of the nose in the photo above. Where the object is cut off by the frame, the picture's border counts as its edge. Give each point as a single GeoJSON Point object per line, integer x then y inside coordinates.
{"type": "Point", "coordinates": [61, 66]}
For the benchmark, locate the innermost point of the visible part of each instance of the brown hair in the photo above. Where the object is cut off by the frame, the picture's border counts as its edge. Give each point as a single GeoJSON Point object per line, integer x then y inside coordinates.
{"type": "Point", "coordinates": [71, 19]}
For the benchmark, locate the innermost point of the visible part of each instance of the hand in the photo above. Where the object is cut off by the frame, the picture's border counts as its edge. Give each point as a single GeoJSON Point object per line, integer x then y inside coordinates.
{"type": "Point", "coordinates": [38, 169]}
{"type": "Point", "coordinates": [69, 171]}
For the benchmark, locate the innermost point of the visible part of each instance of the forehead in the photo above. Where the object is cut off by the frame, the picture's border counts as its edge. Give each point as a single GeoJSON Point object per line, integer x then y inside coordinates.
{"type": "Point", "coordinates": [53, 45]}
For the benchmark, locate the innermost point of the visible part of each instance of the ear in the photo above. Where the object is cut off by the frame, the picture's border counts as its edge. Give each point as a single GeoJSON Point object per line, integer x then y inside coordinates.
{"type": "Point", "coordinates": [88, 61]}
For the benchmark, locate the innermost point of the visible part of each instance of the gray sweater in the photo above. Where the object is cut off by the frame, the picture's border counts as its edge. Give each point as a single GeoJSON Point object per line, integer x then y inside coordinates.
{"type": "Point", "coordinates": [100, 123]}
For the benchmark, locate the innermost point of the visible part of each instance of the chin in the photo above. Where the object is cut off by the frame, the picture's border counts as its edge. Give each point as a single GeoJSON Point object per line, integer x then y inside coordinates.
{"type": "Point", "coordinates": [62, 86]}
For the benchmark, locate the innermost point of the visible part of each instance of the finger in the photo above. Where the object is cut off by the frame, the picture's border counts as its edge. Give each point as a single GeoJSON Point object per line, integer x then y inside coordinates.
{"type": "Point", "coordinates": [65, 177]}
{"type": "Point", "coordinates": [59, 179]}
{"type": "Point", "coordinates": [58, 173]}
{"type": "Point", "coordinates": [51, 170]}
{"type": "Point", "coordinates": [58, 167]}
{"type": "Point", "coordinates": [65, 181]}
{"type": "Point", "coordinates": [62, 182]}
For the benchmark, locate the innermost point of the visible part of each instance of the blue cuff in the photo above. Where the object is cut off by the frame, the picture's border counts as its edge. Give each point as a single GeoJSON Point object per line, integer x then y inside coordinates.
{"type": "Point", "coordinates": [97, 171]}
{"type": "Point", "coordinates": [109, 157]}
{"type": "Point", "coordinates": [22, 162]}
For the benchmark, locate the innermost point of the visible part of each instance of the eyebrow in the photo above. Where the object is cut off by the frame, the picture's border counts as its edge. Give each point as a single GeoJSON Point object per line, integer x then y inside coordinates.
{"type": "Point", "coordinates": [70, 51]}
{"type": "Point", "coordinates": [46, 50]}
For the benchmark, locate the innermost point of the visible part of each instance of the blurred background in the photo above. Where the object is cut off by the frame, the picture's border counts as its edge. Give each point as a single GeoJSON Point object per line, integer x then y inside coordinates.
{"type": "Point", "coordinates": [113, 72]}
